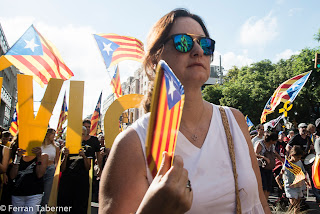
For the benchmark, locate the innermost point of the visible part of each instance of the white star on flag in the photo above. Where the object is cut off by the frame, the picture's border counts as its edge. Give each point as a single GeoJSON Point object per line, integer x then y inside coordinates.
{"type": "Point", "coordinates": [172, 88]}
{"type": "Point", "coordinates": [31, 44]}
{"type": "Point", "coordinates": [107, 48]}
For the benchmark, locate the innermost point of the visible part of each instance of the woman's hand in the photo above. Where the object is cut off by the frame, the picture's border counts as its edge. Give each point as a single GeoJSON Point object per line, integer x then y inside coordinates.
{"type": "Point", "coordinates": [65, 151]}
{"type": "Point", "coordinates": [20, 152]}
{"type": "Point", "coordinates": [37, 151]}
{"type": "Point", "coordinates": [168, 193]}
{"type": "Point", "coordinates": [266, 159]}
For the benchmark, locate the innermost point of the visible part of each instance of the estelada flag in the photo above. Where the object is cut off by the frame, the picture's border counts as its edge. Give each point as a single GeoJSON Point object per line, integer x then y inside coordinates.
{"type": "Point", "coordinates": [33, 55]}
{"type": "Point", "coordinates": [115, 48]}
{"type": "Point", "coordinates": [63, 117]}
{"type": "Point", "coordinates": [287, 91]}
{"type": "Point", "coordinates": [95, 118]}
{"type": "Point", "coordinates": [166, 110]}
{"type": "Point", "coordinates": [316, 172]}
{"type": "Point", "coordinates": [14, 123]}
{"type": "Point", "coordinates": [116, 84]}
{"type": "Point", "coordinates": [295, 170]}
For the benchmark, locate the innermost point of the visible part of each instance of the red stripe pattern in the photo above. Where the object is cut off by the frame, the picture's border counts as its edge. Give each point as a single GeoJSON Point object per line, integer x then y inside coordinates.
{"type": "Point", "coordinates": [165, 118]}
{"type": "Point", "coordinates": [95, 118]}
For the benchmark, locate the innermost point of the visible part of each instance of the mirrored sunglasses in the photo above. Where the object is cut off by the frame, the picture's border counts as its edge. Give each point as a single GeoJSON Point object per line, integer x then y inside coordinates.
{"type": "Point", "coordinates": [185, 42]}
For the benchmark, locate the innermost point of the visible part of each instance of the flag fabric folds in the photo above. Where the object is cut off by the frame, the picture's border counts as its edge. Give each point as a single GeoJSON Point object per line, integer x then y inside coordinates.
{"type": "Point", "coordinates": [62, 118]}
{"type": "Point", "coordinates": [115, 48]}
{"type": "Point", "coordinates": [14, 123]}
{"type": "Point", "coordinates": [287, 91]}
{"type": "Point", "coordinates": [120, 126]}
{"type": "Point", "coordinates": [249, 123]}
{"type": "Point", "coordinates": [116, 84]}
{"type": "Point", "coordinates": [316, 172]}
{"type": "Point", "coordinates": [273, 123]}
{"type": "Point", "coordinates": [166, 110]}
{"type": "Point", "coordinates": [33, 55]}
{"type": "Point", "coordinates": [296, 170]}
{"type": "Point", "coordinates": [95, 118]}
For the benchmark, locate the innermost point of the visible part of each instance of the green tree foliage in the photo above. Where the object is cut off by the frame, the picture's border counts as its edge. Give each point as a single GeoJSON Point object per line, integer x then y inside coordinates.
{"type": "Point", "coordinates": [250, 87]}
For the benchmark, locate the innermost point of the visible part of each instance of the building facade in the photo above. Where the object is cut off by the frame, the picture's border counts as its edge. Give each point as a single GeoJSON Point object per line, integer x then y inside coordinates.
{"type": "Point", "coordinates": [139, 84]}
{"type": "Point", "coordinates": [9, 86]}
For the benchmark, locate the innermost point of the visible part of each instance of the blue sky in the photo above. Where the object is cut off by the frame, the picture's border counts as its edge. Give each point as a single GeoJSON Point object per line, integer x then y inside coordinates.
{"type": "Point", "coordinates": [245, 31]}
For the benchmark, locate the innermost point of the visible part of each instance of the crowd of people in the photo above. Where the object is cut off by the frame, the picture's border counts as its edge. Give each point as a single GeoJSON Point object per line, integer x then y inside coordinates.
{"type": "Point", "coordinates": [272, 148]}
{"type": "Point", "coordinates": [26, 181]}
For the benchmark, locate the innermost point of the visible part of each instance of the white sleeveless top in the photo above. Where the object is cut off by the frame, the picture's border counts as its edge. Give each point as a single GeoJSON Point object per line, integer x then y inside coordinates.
{"type": "Point", "coordinates": [50, 150]}
{"type": "Point", "coordinates": [210, 167]}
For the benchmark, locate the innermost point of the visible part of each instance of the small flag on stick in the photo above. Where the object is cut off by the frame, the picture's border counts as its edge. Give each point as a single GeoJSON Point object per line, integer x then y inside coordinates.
{"type": "Point", "coordinates": [14, 123]}
{"type": "Point", "coordinates": [62, 118]}
{"type": "Point", "coordinates": [95, 118]}
{"type": "Point", "coordinates": [166, 110]}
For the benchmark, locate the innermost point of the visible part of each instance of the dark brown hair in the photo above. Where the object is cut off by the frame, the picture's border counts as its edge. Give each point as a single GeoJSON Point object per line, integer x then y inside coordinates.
{"type": "Point", "coordinates": [156, 38]}
{"type": "Point", "coordinates": [296, 150]}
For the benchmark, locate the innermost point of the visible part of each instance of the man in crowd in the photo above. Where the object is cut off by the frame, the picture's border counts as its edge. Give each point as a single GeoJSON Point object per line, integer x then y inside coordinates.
{"type": "Point", "coordinates": [260, 130]}
{"type": "Point", "coordinates": [93, 142]}
{"type": "Point", "coordinates": [301, 139]}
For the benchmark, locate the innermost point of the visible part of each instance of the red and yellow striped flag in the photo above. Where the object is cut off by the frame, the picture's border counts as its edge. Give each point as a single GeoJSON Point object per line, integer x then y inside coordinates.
{"type": "Point", "coordinates": [95, 118]}
{"type": "Point", "coordinates": [296, 170]}
{"type": "Point", "coordinates": [166, 110]}
{"type": "Point", "coordinates": [14, 123]}
{"type": "Point", "coordinates": [116, 84]}
{"type": "Point", "coordinates": [115, 48]}
{"type": "Point", "coordinates": [33, 55]}
{"type": "Point", "coordinates": [62, 118]}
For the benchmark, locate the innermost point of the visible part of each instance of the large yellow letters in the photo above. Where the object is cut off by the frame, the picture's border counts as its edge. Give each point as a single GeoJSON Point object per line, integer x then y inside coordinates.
{"type": "Point", "coordinates": [32, 130]}
{"type": "Point", "coordinates": [74, 129]}
{"type": "Point", "coordinates": [111, 118]}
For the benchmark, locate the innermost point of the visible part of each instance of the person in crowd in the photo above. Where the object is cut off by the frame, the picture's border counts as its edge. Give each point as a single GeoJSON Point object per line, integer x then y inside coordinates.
{"type": "Point", "coordinates": [293, 191]}
{"type": "Point", "coordinates": [266, 155]}
{"type": "Point", "coordinates": [7, 182]}
{"type": "Point", "coordinates": [4, 161]}
{"type": "Point", "coordinates": [291, 134]}
{"type": "Point", "coordinates": [301, 139]}
{"type": "Point", "coordinates": [280, 146]}
{"type": "Point", "coordinates": [311, 129]}
{"type": "Point", "coordinates": [49, 147]}
{"type": "Point", "coordinates": [201, 178]}
{"type": "Point", "coordinates": [253, 134]}
{"type": "Point", "coordinates": [104, 152]}
{"type": "Point", "coordinates": [5, 139]}
{"type": "Point", "coordinates": [93, 142]}
{"type": "Point", "coordinates": [74, 182]}
{"type": "Point", "coordinates": [27, 173]}
{"type": "Point", "coordinates": [259, 136]}
{"type": "Point", "coordinates": [317, 151]}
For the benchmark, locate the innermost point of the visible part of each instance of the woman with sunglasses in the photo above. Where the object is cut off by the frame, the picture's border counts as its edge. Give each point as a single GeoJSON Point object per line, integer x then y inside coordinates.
{"type": "Point", "coordinates": [201, 179]}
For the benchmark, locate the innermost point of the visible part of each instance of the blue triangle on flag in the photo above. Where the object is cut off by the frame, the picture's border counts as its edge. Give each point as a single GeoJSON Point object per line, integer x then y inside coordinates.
{"type": "Point", "coordinates": [107, 48]}
{"type": "Point", "coordinates": [174, 87]}
{"type": "Point", "coordinates": [28, 44]}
